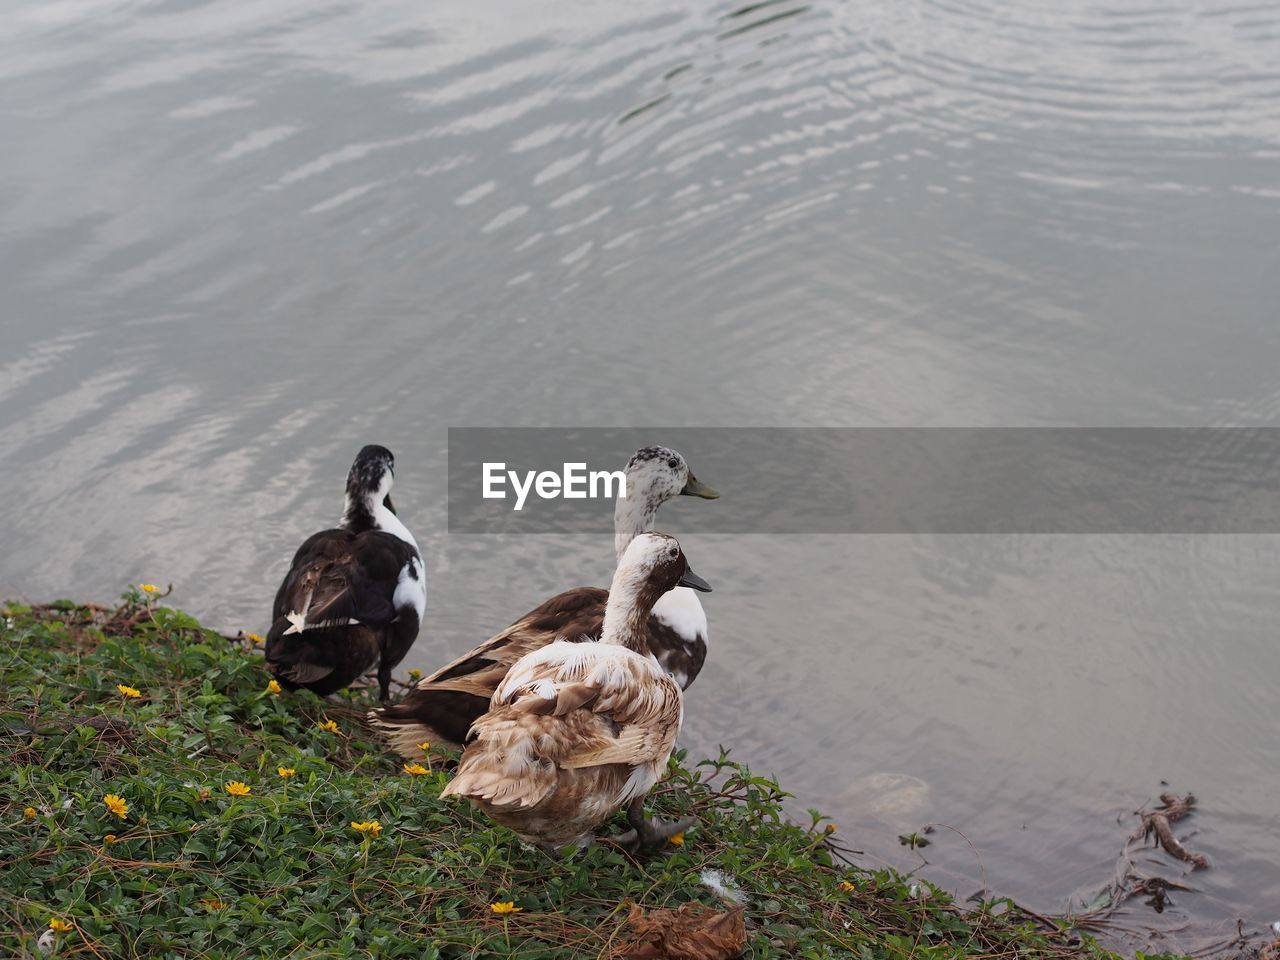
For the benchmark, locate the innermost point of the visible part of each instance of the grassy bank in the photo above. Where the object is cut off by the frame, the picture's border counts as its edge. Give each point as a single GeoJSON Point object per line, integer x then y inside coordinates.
{"type": "Point", "coordinates": [142, 704]}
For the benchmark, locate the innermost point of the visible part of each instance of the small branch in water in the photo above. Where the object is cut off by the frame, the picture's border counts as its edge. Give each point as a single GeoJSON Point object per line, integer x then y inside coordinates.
{"type": "Point", "coordinates": [1159, 822]}
{"type": "Point", "coordinates": [1129, 881]}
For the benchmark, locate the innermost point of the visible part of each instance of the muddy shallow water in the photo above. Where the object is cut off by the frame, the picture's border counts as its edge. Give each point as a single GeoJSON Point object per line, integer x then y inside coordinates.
{"type": "Point", "coordinates": [239, 241]}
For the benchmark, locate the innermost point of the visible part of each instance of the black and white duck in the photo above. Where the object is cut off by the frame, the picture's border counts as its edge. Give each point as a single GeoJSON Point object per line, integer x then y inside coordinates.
{"type": "Point", "coordinates": [354, 595]}
{"type": "Point", "coordinates": [443, 706]}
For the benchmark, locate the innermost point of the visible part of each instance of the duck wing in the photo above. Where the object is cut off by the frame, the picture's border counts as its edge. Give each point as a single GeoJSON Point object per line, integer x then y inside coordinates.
{"type": "Point", "coordinates": [442, 707]}
{"type": "Point", "coordinates": [338, 581]}
{"type": "Point", "coordinates": [572, 615]}
{"type": "Point", "coordinates": [333, 581]}
{"type": "Point", "coordinates": [570, 707]}
{"type": "Point", "coordinates": [640, 705]}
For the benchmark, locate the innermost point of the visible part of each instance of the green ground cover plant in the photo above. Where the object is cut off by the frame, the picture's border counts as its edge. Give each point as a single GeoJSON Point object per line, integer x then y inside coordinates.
{"type": "Point", "coordinates": [163, 799]}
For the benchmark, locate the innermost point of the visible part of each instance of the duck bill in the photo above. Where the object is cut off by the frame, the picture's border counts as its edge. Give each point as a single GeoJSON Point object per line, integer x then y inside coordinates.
{"type": "Point", "coordinates": [694, 582]}
{"type": "Point", "coordinates": [696, 488]}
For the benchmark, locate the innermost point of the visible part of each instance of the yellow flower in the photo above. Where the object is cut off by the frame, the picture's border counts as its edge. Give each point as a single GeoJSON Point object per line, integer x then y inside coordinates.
{"type": "Point", "coordinates": [29, 813]}
{"type": "Point", "coordinates": [117, 805]}
{"type": "Point", "coordinates": [329, 726]}
{"type": "Point", "coordinates": [110, 838]}
{"type": "Point", "coordinates": [676, 839]}
{"type": "Point", "coordinates": [238, 789]}
{"type": "Point", "coordinates": [424, 746]}
{"type": "Point", "coordinates": [254, 639]}
{"type": "Point", "coordinates": [831, 828]}
{"type": "Point", "coordinates": [58, 925]}
{"type": "Point", "coordinates": [370, 828]}
{"type": "Point", "coordinates": [273, 687]}
{"type": "Point", "coordinates": [416, 769]}
{"type": "Point", "coordinates": [286, 772]}
{"type": "Point", "coordinates": [148, 588]}
{"type": "Point", "coordinates": [507, 907]}
{"type": "Point", "coordinates": [212, 903]}
{"type": "Point", "coordinates": [131, 693]}
{"type": "Point", "coordinates": [415, 674]}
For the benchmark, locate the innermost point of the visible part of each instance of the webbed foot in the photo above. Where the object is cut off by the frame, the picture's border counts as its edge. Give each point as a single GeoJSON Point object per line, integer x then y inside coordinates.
{"type": "Point", "coordinates": [650, 833]}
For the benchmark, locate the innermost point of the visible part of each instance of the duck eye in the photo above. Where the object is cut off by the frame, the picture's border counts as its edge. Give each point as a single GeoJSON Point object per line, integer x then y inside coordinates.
{"type": "Point", "coordinates": [673, 463]}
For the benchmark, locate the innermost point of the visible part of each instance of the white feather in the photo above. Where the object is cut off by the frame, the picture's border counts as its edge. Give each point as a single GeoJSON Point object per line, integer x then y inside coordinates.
{"type": "Point", "coordinates": [681, 610]}
{"type": "Point", "coordinates": [384, 519]}
{"type": "Point", "coordinates": [640, 782]}
{"type": "Point", "coordinates": [722, 885]}
{"type": "Point", "coordinates": [411, 588]}
{"type": "Point", "coordinates": [600, 664]}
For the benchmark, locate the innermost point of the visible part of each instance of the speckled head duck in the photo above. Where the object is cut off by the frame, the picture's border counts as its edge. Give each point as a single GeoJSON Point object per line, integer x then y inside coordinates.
{"type": "Point", "coordinates": [443, 706]}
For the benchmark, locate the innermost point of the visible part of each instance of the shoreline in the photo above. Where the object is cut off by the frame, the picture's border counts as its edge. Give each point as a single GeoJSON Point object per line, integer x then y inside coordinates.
{"type": "Point", "coordinates": [246, 831]}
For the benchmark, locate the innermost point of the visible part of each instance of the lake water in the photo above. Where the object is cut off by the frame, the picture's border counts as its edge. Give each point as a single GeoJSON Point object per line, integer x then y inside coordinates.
{"type": "Point", "coordinates": [237, 241]}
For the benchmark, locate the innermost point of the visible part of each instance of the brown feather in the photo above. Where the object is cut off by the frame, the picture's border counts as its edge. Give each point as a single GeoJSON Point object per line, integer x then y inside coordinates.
{"type": "Point", "coordinates": [631, 746]}
{"type": "Point", "coordinates": [443, 706]}
{"type": "Point", "coordinates": [553, 768]}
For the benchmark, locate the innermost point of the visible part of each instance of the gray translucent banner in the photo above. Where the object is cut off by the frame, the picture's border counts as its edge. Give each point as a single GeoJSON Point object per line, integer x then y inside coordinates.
{"type": "Point", "coordinates": [891, 480]}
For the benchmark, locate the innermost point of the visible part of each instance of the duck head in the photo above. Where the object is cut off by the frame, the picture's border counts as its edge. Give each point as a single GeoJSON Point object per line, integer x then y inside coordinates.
{"type": "Point", "coordinates": [369, 485]}
{"type": "Point", "coordinates": [652, 564]}
{"type": "Point", "coordinates": [654, 476]}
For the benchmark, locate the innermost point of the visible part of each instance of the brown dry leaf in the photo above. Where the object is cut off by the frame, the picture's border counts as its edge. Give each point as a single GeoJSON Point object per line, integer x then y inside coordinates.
{"type": "Point", "coordinates": [1271, 951]}
{"type": "Point", "coordinates": [692, 932]}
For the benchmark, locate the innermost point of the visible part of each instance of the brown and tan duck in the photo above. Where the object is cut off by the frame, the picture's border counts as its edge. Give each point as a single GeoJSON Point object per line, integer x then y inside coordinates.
{"type": "Point", "coordinates": [577, 731]}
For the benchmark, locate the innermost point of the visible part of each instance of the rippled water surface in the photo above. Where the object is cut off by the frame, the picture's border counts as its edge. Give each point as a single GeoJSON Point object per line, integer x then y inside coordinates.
{"type": "Point", "coordinates": [239, 240]}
